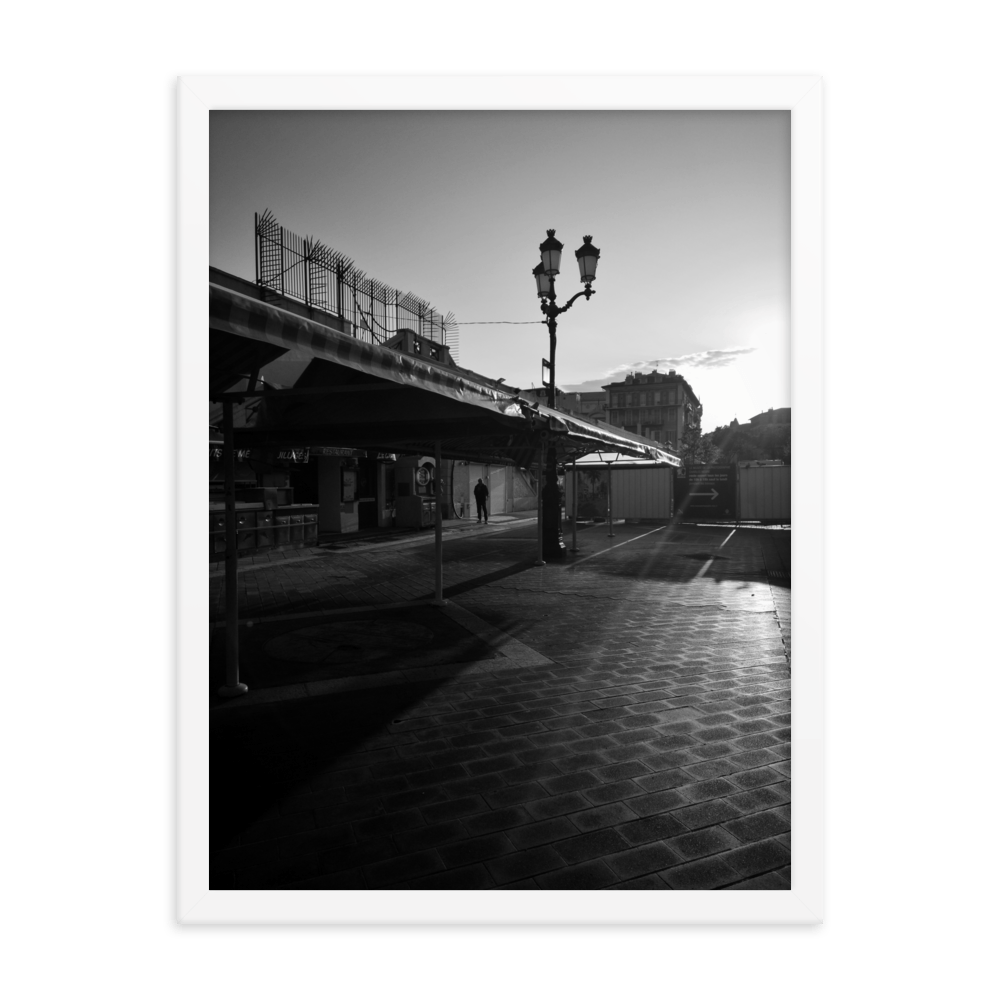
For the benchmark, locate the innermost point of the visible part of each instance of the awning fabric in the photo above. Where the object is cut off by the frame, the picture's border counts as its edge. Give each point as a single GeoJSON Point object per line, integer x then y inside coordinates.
{"type": "Point", "coordinates": [471, 417]}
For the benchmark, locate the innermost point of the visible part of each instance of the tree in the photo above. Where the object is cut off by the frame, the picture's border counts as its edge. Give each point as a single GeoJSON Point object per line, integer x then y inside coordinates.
{"type": "Point", "coordinates": [746, 443]}
{"type": "Point", "coordinates": [697, 448]}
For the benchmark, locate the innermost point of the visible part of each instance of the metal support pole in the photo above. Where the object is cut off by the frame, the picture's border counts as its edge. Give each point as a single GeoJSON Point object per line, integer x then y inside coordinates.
{"type": "Point", "coordinates": [540, 561]}
{"type": "Point", "coordinates": [611, 521]}
{"type": "Point", "coordinates": [232, 688]}
{"type": "Point", "coordinates": [438, 538]}
{"type": "Point", "coordinates": [576, 488]}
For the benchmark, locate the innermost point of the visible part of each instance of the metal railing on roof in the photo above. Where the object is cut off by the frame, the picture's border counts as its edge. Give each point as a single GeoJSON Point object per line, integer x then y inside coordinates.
{"type": "Point", "coordinates": [305, 269]}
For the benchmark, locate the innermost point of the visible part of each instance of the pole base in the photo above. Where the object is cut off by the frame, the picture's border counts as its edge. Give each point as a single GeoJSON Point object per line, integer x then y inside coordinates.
{"type": "Point", "coordinates": [232, 692]}
{"type": "Point", "coordinates": [539, 562]}
{"type": "Point", "coordinates": [440, 602]}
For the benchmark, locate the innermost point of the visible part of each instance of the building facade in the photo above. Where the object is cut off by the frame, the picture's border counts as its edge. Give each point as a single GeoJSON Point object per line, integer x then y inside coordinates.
{"type": "Point", "coordinates": [590, 405]}
{"type": "Point", "coordinates": [657, 405]}
{"type": "Point", "coordinates": [782, 415]}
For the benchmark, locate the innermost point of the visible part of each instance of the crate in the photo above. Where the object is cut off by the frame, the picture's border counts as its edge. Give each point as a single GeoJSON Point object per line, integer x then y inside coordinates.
{"type": "Point", "coordinates": [246, 522]}
{"type": "Point", "coordinates": [217, 536]}
{"type": "Point", "coordinates": [282, 531]}
{"type": "Point", "coordinates": [310, 529]}
{"type": "Point", "coordinates": [265, 529]}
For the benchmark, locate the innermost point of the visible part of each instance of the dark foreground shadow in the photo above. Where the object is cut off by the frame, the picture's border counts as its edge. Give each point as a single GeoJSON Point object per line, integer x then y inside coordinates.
{"type": "Point", "coordinates": [262, 755]}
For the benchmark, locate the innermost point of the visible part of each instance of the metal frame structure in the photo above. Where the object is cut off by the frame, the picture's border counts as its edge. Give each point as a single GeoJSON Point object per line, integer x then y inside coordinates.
{"type": "Point", "coordinates": [303, 268]}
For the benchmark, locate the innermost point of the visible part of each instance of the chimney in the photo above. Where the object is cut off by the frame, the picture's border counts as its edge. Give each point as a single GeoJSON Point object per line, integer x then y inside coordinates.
{"type": "Point", "coordinates": [673, 371]}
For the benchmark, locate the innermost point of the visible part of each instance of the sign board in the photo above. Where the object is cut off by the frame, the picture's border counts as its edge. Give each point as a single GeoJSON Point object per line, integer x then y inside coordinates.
{"type": "Point", "coordinates": [707, 491]}
{"type": "Point", "coordinates": [348, 485]}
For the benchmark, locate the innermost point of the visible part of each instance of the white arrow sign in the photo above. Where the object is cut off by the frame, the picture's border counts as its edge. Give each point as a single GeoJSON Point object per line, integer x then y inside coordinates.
{"type": "Point", "coordinates": [714, 494]}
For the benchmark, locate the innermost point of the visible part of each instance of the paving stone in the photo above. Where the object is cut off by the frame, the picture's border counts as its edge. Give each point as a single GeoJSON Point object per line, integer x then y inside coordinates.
{"type": "Point", "coordinates": [470, 877]}
{"type": "Point", "coordinates": [472, 786]}
{"type": "Point", "coordinates": [756, 778]}
{"type": "Point", "coordinates": [352, 879]}
{"type": "Point", "coordinates": [708, 751]}
{"type": "Point", "coordinates": [531, 772]}
{"type": "Point", "coordinates": [602, 816]}
{"type": "Point", "coordinates": [499, 819]}
{"type": "Point", "coordinates": [656, 802]}
{"type": "Point", "coordinates": [581, 762]}
{"type": "Point", "coordinates": [526, 883]}
{"type": "Point", "coordinates": [641, 860]}
{"type": "Point", "coordinates": [653, 882]}
{"type": "Point", "coordinates": [570, 782]}
{"type": "Point", "coordinates": [702, 842]}
{"type": "Point", "coordinates": [636, 736]}
{"type": "Point", "coordinates": [454, 809]}
{"type": "Point", "coordinates": [515, 794]}
{"type": "Point", "coordinates": [599, 729]}
{"type": "Point", "coordinates": [480, 849]}
{"type": "Point", "coordinates": [502, 763]}
{"type": "Point", "coordinates": [673, 741]}
{"type": "Point", "coordinates": [385, 826]}
{"type": "Point", "coordinates": [438, 775]}
{"type": "Point", "coordinates": [667, 761]}
{"type": "Point", "coordinates": [707, 813]}
{"type": "Point", "coordinates": [544, 832]}
{"type": "Point", "coordinates": [640, 693]}
{"type": "Point", "coordinates": [595, 844]}
{"type": "Point", "coordinates": [548, 753]}
{"type": "Point", "coordinates": [557, 805]}
{"type": "Point", "coordinates": [759, 826]}
{"type": "Point", "coordinates": [413, 798]}
{"type": "Point", "coordinates": [524, 864]}
{"type": "Point", "coordinates": [663, 779]}
{"type": "Point", "coordinates": [709, 873]}
{"type": "Point", "coordinates": [711, 768]}
{"type": "Point", "coordinates": [757, 858]}
{"type": "Point", "coordinates": [757, 799]}
{"type": "Point", "coordinates": [402, 869]}
{"type": "Point", "coordinates": [429, 836]}
{"type": "Point", "coordinates": [591, 875]}
{"type": "Point", "coordinates": [770, 881]}
{"type": "Point", "coordinates": [617, 791]}
{"type": "Point", "coordinates": [617, 772]}
{"type": "Point", "coordinates": [759, 741]}
{"type": "Point", "coordinates": [712, 789]}
{"type": "Point", "coordinates": [643, 831]}
{"type": "Point", "coordinates": [630, 752]}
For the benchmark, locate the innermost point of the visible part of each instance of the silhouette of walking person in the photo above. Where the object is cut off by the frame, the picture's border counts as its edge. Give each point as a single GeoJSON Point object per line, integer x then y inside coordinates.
{"type": "Point", "coordinates": [481, 493]}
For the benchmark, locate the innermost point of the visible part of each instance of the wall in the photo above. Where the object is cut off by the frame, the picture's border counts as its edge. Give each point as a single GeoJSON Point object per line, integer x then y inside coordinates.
{"type": "Point", "coordinates": [644, 493]}
{"type": "Point", "coordinates": [765, 493]}
{"type": "Point", "coordinates": [333, 514]}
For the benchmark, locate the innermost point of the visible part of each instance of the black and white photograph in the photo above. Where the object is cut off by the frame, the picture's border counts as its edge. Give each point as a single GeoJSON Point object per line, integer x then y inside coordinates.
{"type": "Point", "coordinates": [499, 500]}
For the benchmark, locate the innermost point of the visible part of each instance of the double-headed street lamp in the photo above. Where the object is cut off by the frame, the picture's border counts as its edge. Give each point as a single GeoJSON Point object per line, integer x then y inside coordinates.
{"type": "Point", "coordinates": [545, 278]}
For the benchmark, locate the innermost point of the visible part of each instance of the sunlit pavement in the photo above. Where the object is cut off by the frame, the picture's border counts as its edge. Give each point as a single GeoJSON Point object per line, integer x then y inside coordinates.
{"type": "Point", "coordinates": [620, 720]}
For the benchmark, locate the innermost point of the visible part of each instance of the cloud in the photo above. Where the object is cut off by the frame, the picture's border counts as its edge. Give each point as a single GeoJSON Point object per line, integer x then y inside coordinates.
{"type": "Point", "coordinates": [719, 358]}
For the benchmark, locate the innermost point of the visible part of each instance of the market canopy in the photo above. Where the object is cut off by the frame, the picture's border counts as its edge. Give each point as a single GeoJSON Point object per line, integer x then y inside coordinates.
{"type": "Point", "coordinates": [353, 393]}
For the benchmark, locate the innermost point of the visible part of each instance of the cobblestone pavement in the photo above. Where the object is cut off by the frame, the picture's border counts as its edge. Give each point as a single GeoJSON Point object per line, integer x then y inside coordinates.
{"type": "Point", "coordinates": [634, 734]}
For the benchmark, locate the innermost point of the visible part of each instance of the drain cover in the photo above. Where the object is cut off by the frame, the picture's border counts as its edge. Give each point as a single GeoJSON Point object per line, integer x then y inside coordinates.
{"type": "Point", "coordinates": [347, 642]}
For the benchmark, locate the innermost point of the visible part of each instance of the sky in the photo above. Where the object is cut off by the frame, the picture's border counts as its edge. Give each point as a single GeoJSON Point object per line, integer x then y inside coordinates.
{"type": "Point", "coordinates": [691, 212]}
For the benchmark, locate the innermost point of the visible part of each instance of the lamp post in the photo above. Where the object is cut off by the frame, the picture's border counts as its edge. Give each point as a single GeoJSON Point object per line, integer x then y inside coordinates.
{"type": "Point", "coordinates": [545, 273]}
